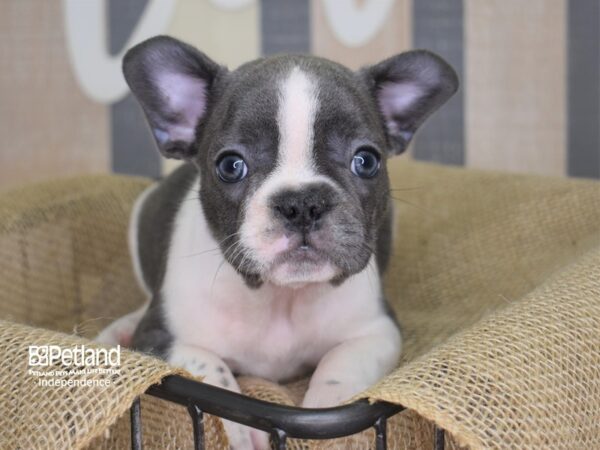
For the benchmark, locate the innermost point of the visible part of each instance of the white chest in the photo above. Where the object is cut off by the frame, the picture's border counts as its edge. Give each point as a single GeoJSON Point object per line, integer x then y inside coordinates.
{"type": "Point", "coordinates": [269, 332]}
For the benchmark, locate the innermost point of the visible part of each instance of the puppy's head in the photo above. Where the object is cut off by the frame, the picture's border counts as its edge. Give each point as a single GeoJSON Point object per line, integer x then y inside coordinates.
{"type": "Point", "coordinates": [291, 150]}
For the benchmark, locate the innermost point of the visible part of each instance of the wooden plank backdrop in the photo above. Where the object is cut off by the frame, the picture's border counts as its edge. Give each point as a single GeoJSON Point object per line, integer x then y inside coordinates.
{"type": "Point", "coordinates": [516, 85]}
{"type": "Point", "coordinates": [529, 100]}
{"type": "Point", "coordinates": [49, 128]}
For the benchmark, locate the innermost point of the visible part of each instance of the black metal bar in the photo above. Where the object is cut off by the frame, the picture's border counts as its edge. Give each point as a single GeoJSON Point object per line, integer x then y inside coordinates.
{"type": "Point", "coordinates": [381, 433]}
{"type": "Point", "coordinates": [307, 423]}
{"type": "Point", "coordinates": [279, 438]}
{"type": "Point", "coordinates": [136, 424]}
{"type": "Point", "coordinates": [198, 425]}
{"type": "Point", "coordinates": [439, 438]}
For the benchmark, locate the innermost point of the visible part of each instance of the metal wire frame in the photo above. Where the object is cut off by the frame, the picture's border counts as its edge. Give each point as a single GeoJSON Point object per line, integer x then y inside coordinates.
{"type": "Point", "coordinates": [279, 420]}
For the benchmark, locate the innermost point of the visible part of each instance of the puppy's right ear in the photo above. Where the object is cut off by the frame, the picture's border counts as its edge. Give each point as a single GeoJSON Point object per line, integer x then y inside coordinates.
{"type": "Point", "coordinates": [173, 82]}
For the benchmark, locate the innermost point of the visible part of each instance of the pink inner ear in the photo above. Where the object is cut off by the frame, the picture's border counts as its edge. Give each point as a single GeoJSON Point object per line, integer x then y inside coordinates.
{"type": "Point", "coordinates": [397, 98]}
{"type": "Point", "coordinates": [186, 97]}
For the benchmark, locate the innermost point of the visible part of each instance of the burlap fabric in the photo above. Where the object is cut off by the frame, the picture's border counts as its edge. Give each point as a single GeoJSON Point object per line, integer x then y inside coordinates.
{"type": "Point", "coordinates": [495, 279]}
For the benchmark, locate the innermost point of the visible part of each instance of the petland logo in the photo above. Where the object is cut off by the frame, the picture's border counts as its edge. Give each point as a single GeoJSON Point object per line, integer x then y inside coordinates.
{"type": "Point", "coordinates": [55, 366]}
{"type": "Point", "coordinates": [79, 355]}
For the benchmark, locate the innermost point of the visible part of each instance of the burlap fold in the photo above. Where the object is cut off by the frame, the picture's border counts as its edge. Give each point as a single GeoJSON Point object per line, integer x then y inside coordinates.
{"type": "Point", "coordinates": [525, 377]}
{"type": "Point", "coordinates": [37, 416]}
{"type": "Point", "coordinates": [495, 279]}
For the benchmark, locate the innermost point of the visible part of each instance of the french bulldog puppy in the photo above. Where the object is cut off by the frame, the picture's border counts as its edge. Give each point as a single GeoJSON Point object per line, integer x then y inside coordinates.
{"type": "Point", "coordinates": [263, 254]}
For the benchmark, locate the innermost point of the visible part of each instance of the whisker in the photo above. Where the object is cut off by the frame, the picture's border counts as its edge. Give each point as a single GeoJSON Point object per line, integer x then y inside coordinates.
{"type": "Point", "coordinates": [245, 256]}
{"type": "Point", "coordinates": [405, 189]}
{"type": "Point", "coordinates": [420, 208]}
{"type": "Point", "coordinates": [79, 328]}
{"type": "Point", "coordinates": [212, 249]}
{"type": "Point", "coordinates": [212, 284]}
{"type": "Point", "coordinates": [216, 249]}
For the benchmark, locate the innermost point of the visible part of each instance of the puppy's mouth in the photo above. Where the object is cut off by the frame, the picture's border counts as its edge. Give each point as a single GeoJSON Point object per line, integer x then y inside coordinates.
{"type": "Point", "coordinates": [303, 253]}
{"type": "Point", "coordinates": [300, 263]}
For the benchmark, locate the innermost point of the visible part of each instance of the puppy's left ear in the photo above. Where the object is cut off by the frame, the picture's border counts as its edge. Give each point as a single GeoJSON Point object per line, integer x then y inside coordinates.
{"type": "Point", "coordinates": [407, 88]}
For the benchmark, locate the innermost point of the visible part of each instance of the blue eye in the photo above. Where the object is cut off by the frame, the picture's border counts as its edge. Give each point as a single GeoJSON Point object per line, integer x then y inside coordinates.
{"type": "Point", "coordinates": [231, 168]}
{"type": "Point", "coordinates": [365, 163]}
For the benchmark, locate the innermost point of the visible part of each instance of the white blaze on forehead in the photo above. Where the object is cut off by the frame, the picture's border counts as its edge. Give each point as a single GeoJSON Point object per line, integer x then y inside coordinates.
{"type": "Point", "coordinates": [298, 106]}
{"type": "Point", "coordinates": [296, 119]}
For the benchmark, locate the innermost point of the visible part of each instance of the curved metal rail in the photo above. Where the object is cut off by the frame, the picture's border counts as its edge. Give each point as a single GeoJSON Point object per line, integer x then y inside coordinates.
{"type": "Point", "coordinates": [279, 420]}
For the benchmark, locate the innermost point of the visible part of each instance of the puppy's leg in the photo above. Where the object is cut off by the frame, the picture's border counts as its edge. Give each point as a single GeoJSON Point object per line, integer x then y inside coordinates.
{"type": "Point", "coordinates": [354, 365]}
{"type": "Point", "coordinates": [204, 363]}
{"type": "Point", "coordinates": [121, 330]}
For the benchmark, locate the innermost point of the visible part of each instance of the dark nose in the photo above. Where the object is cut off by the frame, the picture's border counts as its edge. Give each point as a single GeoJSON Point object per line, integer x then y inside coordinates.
{"type": "Point", "coordinates": [302, 210]}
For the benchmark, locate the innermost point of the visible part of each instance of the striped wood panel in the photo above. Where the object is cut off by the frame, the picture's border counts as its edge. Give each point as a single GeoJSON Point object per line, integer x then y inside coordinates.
{"type": "Point", "coordinates": [48, 126]}
{"type": "Point", "coordinates": [393, 37]}
{"type": "Point", "coordinates": [516, 85]}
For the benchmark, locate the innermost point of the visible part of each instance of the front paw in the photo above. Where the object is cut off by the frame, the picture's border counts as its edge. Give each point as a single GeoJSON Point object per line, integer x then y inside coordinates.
{"type": "Point", "coordinates": [330, 393]}
{"type": "Point", "coordinates": [241, 437]}
{"type": "Point", "coordinates": [214, 371]}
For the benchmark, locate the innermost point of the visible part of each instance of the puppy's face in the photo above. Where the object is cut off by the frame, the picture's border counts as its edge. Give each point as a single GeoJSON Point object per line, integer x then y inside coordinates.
{"type": "Point", "coordinates": [293, 171]}
{"type": "Point", "coordinates": [292, 150]}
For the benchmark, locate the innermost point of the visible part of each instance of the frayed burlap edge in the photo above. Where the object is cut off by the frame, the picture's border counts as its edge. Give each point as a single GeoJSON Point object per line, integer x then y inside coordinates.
{"type": "Point", "coordinates": [511, 380]}
{"type": "Point", "coordinates": [34, 416]}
